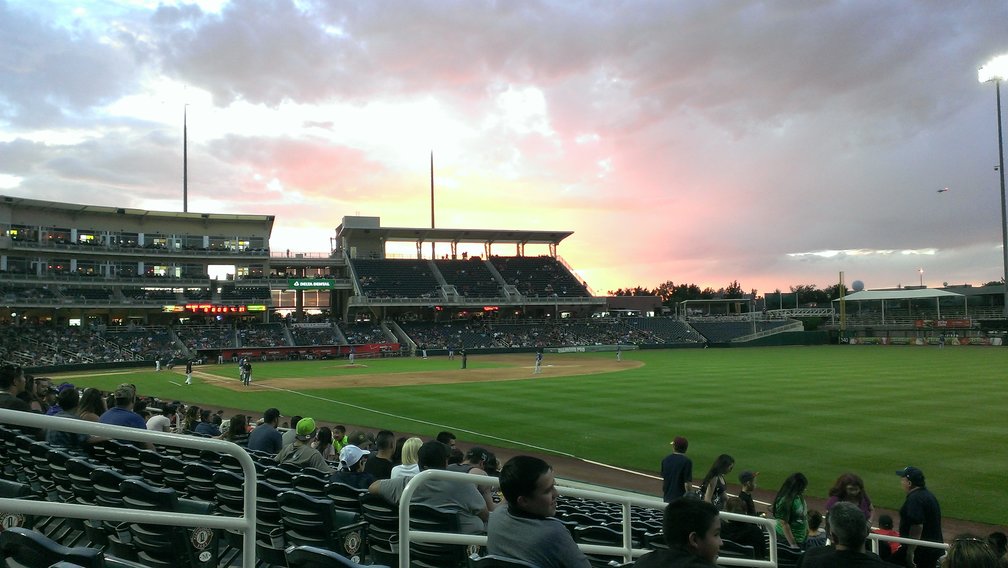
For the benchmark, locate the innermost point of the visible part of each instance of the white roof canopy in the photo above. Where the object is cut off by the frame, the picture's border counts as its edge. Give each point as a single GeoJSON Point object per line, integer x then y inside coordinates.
{"type": "Point", "coordinates": [914, 294]}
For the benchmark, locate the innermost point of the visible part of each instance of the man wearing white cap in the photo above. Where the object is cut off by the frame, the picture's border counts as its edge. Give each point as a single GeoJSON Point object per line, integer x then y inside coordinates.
{"type": "Point", "coordinates": [351, 468]}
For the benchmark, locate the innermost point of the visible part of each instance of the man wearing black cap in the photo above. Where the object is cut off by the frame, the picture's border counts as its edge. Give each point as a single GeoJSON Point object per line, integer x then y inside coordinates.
{"type": "Point", "coordinates": [920, 519]}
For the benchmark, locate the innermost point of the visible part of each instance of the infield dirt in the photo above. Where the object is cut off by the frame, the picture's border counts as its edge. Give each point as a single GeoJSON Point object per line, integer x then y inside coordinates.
{"type": "Point", "coordinates": [511, 368]}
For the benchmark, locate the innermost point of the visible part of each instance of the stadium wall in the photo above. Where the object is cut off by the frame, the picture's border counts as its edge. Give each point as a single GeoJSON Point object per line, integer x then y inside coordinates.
{"type": "Point", "coordinates": [789, 338]}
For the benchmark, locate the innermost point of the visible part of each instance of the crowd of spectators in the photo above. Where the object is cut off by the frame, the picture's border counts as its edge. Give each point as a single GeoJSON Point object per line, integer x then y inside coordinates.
{"type": "Point", "coordinates": [518, 335]}
{"type": "Point", "coordinates": [35, 345]}
{"type": "Point", "coordinates": [32, 344]}
{"type": "Point", "coordinates": [263, 335]}
{"type": "Point", "coordinates": [325, 335]}
{"type": "Point", "coordinates": [144, 343]}
{"type": "Point", "coordinates": [362, 333]}
{"type": "Point", "coordinates": [196, 337]}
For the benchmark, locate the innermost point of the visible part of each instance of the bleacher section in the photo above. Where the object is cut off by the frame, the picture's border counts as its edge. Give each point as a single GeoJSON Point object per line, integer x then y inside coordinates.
{"type": "Point", "coordinates": [13, 293]}
{"type": "Point", "coordinates": [42, 345]}
{"type": "Point", "coordinates": [396, 278]}
{"type": "Point", "coordinates": [230, 293]}
{"type": "Point", "coordinates": [470, 277]}
{"type": "Point", "coordinates": [725, 331]}
{"type": "Point", "coordinates": [150, 295]}
{"type": "Point", "coordinates": [524, 335]}
{"type": "Point", "coordinates": [85, 294]}
{"type": "Point", "coordinates": [295, 506]}
{"type": "Point", "coordinates": [143, 343]}
{"type": "Point", "coordinates": [325, 335]}
{"type": "Point", "coordinates": [206, 337]}
{"type": "Point", "coordinates": [361, 333]}
{"type": "Point", "coordinates": [667, 331]}
{"type": "Point", "coordinates": [263, 335]}
{"type": "Point", "coordinates": [31, 346]}
{"type": "Point", "coordinates": [539, 276]}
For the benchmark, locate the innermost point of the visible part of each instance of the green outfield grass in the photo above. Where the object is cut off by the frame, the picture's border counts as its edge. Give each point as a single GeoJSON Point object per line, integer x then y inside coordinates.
{"type": "Point", "coordinates": [818, 410]}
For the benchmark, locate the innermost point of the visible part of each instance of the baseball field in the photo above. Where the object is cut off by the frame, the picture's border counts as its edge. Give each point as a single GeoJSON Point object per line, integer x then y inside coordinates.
{"type": "Point", "coordinates": [819, 410]}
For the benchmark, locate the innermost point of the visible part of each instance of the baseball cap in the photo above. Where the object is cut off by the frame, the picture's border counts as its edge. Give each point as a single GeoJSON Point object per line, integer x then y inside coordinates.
{"type": "Point", "coordinates": [305, 429]}
{"type": "Point", "coordinates": [124, 392]}
{"type": "Point", "coordinates": [271, 414]}
{"type": "Point", "coordinates": [65, 386]}
{"type": "Point", "coordinates": [910, 472]}
{"type": "Point", "coordinates": [747, 476]}
{"type": "Point", "coordinates": [680, 444]}
{"type": "Point", "coordinates": [351, 454]}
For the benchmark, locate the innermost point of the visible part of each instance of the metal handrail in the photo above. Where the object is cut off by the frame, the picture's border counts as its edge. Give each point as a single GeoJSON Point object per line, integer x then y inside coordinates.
{"type": "Point", "coordinates": [245, 524]}
{"type": "Point", "coordinates": [627, 551]}
{"type": "Point", "coordinates": [625, 500]}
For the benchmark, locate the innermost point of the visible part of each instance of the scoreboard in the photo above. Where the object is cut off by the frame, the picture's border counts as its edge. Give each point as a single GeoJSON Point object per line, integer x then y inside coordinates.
{"type": "Point", "coordinates": [205, 308]}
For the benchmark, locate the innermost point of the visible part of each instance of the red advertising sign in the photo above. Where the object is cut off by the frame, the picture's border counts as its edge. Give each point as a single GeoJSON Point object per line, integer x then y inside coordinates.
{"type": "Point", "coordinates": [945, 323]}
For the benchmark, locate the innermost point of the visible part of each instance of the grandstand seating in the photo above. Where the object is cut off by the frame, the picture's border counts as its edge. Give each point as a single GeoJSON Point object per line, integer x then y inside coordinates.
{"type": "Point", "coordinates": [206, 337]}
{"type": "Point", "coordinates": [86, 294]}
{"type": "Point", "coordinates": [725, 331]}
{"type": "Point", "coordinates": [362, 333]}
{"type": "Point", "coordinates": [523, 334]}
{"type": "Point", "coordinates": [231, 293]}
{"type": "Point", "coordinates": [13, 293]}
{"type": "Point", "coordinates": [314, 335]}
{"type": "Point", "coordinates": [396, 278]}
{"type": "Point", "coordinates": [539, 276]}
{"type": "Point", "coordinates": [470, 277]}
{"type": "Point", "coordinates": [150, 295]}
{"type": "Point", "coordinates": [311, 521]}
{"type": "Point", "coordinates": [286, 517]}
{"type": "Point", "coordinates": [263, 335]}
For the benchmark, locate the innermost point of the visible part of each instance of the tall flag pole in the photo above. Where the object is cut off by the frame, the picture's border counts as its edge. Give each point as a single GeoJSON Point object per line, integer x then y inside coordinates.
{"type": "Point", "coordinates": [432, 201]}
{"type": "Point", "coordinates": [185, 159]}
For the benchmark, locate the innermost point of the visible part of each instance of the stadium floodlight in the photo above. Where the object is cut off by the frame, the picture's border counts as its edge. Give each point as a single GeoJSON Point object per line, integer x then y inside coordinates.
{"type": "Point", "coordinates": [996, 70]}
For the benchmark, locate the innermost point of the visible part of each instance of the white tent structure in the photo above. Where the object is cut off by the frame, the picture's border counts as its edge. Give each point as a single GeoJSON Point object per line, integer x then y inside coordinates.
{"type": "Point", "coordinates": [911, 294]}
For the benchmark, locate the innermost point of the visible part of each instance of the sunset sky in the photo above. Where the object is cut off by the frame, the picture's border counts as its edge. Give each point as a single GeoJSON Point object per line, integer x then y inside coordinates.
{"type": "Point", "coordinates": [773, 143]}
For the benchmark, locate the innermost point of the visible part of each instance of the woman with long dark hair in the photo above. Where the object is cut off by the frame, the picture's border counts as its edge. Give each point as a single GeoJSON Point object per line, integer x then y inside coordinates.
{"type": "Point", "coordinates": [850, 487]}
{"type": "Point", "coordinates": [791, 511]}
{"type": "Point", "coordinates": [713, 486]}
{"type": "Point", "coordinates": [92, 405]}
{"type": "Point", "coordinates": [324, 444]}
{"type": "Point", "coordinates": [237, 430]}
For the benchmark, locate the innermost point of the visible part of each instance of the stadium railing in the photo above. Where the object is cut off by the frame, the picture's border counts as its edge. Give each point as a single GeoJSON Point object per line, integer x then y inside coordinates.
{"type": "Point", "coordinates": [627, 551]}
{"type": "Point", "coordinates": [246, 524]}
{"type": "Point", "coordinates": [876, 540]}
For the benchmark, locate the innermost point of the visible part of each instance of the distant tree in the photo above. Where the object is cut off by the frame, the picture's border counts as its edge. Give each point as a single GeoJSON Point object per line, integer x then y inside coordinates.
{"type": "Point", "coordinates": [635, 291]}
{"type": "Point", "coordinates": [734, 290]}
{"type": "Point", "coordinates": [835, 291]}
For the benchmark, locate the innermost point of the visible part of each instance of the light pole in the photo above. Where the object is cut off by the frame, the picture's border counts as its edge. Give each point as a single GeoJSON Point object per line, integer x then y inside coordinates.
{"type": "Point", "coordinates": [996, 70]}
{"type": "Point", "coordinates": [921, 272]}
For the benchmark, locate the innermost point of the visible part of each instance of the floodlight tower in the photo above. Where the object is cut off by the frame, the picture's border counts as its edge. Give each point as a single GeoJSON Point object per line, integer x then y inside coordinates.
{"type": "Point", "coordinates": [996, 70]}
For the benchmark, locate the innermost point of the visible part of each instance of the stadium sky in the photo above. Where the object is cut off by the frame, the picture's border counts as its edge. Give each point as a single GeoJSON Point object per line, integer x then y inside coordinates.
{"type": "Point", "coordinates": [773, 143]}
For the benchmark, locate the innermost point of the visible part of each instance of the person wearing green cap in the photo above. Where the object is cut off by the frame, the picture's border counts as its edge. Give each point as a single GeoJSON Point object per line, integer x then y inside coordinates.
{"type": "Point", "coordinates": [300, 451]}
